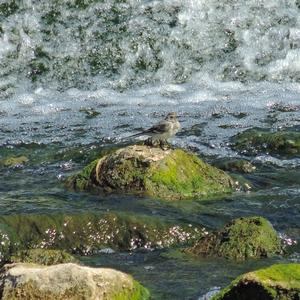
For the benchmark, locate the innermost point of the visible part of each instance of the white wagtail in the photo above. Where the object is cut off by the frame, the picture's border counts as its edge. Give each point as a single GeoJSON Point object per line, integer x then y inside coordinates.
{"type": "Point", "coordinates": [163, 130]}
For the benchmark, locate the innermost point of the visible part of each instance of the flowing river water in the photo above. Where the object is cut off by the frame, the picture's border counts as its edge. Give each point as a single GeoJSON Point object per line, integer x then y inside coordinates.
{"type": "Point", "coordinates": [80, 76]}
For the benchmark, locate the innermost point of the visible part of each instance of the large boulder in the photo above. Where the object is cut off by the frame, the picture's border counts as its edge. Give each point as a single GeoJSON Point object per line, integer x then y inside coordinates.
{"type": "Point", "coordinates": [242, 238]}
{"type": "Point", "coordinates": [278, 282]}
{"type": "Point", "coordinates": [260, 141]}
{"type": "Point", "coordinates": [169, 174]}
{"type": "Point", "coordinates": [67, 281]}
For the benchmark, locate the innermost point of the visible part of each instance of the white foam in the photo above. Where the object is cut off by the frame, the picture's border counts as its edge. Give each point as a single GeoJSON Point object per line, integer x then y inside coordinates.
{"type": "Point", "coordinates": [5, 45]}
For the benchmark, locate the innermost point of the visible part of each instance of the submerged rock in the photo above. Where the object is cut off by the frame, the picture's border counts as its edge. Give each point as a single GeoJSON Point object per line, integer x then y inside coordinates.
{"type": "Point", "coordinates": [13, 161]}
{"type": "Point", "coordinates": [240, 239]}
{"type": "Point", "coordinates": [169, 174]}
{"type": "Point", "coordinates": [256, 141]}
{"type": "Point", "coordinates": [235, 165]}
{"type": "Point", "coordinates": [43, 257]}
{"type": "Point", "coordinates": [67, 281]}
{"type": "Point", "coordinates": [89, 233]}
{"type": "Point", "coordinates": [278, 282]}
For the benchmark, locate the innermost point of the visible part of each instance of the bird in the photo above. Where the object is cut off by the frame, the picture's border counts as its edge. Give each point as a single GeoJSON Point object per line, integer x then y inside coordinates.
{"type": "Point", "coordinates": [162, 131]}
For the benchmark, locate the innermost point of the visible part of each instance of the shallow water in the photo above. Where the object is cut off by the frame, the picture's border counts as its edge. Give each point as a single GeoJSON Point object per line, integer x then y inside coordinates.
{"type": "Point", "coordinates": [80, 77]}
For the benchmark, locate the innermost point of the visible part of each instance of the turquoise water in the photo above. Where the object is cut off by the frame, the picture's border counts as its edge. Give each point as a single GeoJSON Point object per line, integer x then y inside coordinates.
{"type": "Point", "coordinates": [79, 77]}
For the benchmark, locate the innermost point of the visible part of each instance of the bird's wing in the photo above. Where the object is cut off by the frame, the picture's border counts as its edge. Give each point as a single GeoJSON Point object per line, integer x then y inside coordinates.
{"type": "Point", "coordinates": [158, 128]}
{"type": "Point", "coordinates": [161, 127]}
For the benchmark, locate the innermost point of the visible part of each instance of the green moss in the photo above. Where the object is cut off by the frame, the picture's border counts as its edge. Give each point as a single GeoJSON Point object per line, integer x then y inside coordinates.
{"type": "Point", "coordinates": [137, 292]}
{"type": "Point", "coordinates": [126, 175]}
{"type": "Point", "coordinates": [13, 161]}
{"type": "Point", "coordinates": [183, 175]}
{"type": "Point", "coordinates": [241, 239]}
{"type": "Point", "coordinates": [253, 141]}
{"type": "Point", "coordinates": [86, 233]}
{"type": "Point", "coordinates": [277, 282]}
{"type": "Point", "coordinates": [285, 275]}
{"type": "Point", "coordinates": [82, 180]}
{"type": "Point", "coordinates": [43, 257]}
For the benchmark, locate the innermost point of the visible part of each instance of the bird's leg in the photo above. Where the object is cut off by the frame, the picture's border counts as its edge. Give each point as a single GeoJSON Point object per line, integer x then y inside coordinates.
{"type": "Point", "coordinates": [148, 142]}
{"type": "Point", "coordinates": [152, 142]}
{"type": "Point", "coordinates": [164, 145]}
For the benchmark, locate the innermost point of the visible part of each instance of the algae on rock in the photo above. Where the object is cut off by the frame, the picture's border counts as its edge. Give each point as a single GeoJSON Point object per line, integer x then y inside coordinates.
{"type": "Point", "coordinates": [243, 238]}
{"type": "Point", "coordinates": [13, 161]}
{"type": "Point", "coordinates": [277, 282]}
{"type": "Point", "coordinates": [235, 165]}
{"type": "Point", "coordinates": [43, 257]}
{"type": "Point", "coordinates": [169, 174]}
{"type": "Point", "coordinates": [66, 282]}
{"type": "Point", "coordinates": [88, 233]}
{"type": "Point", "coordinates": [254, 141]}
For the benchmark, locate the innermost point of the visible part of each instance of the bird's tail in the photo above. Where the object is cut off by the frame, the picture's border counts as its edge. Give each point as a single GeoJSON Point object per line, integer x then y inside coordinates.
{"type": "Point", "coordinates": [135, 135]}
{"type": "Point", "coordinates": [144, 133]}
{"type": "Point", "coordinates": [128, 140]}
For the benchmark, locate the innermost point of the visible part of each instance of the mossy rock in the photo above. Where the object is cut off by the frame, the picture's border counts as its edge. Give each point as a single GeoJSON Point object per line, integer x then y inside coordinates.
{"type": "Point", "coordinates": [260, 141]}
{"type": "Point", "coordinates": [235, 165]}
{"type": "Point", "coordinates": [86, 234]}
{"type": "Point", "coordinates": [168, 174]}
{"type": "Point", "coordinates": [66, 282]}
{"type": "Point", "coordinates": [278, 282]}
{"type": "Point", "coordinates": [83, 180]}
{"type": "Point", "coordinates": [241, 239]}
{"type": "Point", "coordinates": [43, 257]}
{"type": "Point", "coordinates": [13, 161]}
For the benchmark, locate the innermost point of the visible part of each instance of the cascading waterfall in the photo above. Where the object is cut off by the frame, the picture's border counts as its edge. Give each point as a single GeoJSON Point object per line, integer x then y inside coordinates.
{"type": "Point", "coordinates": [86, 44]}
